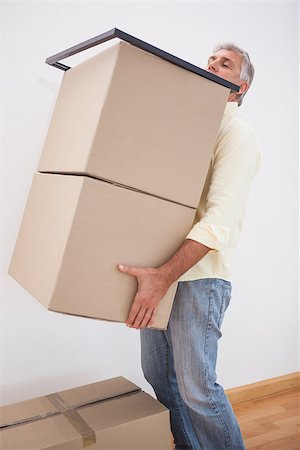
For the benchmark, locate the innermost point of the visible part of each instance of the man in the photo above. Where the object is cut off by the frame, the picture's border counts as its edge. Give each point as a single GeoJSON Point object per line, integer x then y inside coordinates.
{"type": "Point", "coordinates": [180, 362]}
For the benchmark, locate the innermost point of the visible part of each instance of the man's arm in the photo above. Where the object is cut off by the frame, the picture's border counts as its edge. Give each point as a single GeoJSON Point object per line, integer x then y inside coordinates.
{"type": "Point", "coordinates": [154, 283]}
{"type": "Point", "coordinates": [235, 163]}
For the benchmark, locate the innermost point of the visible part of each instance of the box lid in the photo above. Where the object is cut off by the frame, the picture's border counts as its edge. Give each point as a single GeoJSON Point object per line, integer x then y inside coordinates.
{"type": "Point", "coordinates": [116, 33]}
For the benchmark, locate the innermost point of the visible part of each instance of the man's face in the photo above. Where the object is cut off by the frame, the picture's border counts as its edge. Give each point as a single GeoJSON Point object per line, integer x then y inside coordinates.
{"type": "Point", "coordinates": [227, 64]}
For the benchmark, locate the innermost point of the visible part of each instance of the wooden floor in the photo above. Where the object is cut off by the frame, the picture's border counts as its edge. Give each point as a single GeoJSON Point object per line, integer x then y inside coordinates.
{"type": "Point", "coordinates": [272, 422]}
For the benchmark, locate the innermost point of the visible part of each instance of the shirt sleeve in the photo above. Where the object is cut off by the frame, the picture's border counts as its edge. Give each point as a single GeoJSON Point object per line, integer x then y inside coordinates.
{"type": "Point", "coordinates": [236, 160]}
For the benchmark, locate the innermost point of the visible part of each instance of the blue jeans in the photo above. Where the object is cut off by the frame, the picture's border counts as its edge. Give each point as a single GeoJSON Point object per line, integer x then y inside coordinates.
{"type": "Point", "coordinates": [180, 365]}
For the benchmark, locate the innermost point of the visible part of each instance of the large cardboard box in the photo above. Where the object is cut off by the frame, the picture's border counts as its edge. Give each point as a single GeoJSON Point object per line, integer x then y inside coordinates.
{"type": "Point", "coordinates": [109, 415]}
{"type": "Point", "coordinates": [131, 117]}
{"type": "Point", "coordinates": [120, 178]}
{"type": "Point", "coordinates": [76, 230]}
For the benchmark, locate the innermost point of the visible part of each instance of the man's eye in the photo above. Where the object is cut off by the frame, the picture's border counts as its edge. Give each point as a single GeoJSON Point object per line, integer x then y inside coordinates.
{"type": "Point", "coordinates": [225, 65]}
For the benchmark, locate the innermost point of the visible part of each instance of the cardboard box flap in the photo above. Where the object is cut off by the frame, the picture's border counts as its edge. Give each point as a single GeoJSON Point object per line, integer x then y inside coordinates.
{"type": "Point", "coordinates": [53, 404]}
{"type": "Point", "coordinates": [99, 391]}
{"type": "Point", "coordinates": [119, 411]}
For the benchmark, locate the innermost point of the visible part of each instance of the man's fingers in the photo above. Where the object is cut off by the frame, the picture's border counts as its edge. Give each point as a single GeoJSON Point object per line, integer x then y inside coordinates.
{"type": "Point", "coordinates": [152, 318]}
{"type": "Point", "coordinates": [146, 298]}
{"type": "Point", "coordinates": [130, 270]}
{"type": "Point", "coordinates": [145, 319]}
{"type": "Point", "coordinates": [139, 317]}
{"type": "Point", "coordinates": [134, 310]}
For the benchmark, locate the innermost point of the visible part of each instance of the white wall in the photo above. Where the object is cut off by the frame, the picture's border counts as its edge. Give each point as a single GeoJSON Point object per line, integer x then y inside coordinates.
{"type": "Point", "coordinates": [44, 352]}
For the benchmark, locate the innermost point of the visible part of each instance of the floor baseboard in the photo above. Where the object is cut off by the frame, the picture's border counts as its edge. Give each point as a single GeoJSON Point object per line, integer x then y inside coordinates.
{"type": "Point", "coordinates": [264, 388]}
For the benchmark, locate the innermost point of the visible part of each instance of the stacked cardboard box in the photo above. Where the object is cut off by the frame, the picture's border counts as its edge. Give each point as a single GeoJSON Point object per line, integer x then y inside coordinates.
{"type": "Point", "coordinates": [119, 181]}
{"type": "Point", "coordinates": [109, 415]}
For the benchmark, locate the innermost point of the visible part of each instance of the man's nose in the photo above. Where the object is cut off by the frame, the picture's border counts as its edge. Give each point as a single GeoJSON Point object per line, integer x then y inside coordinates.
{"type": "Point", "coordinates": [213, 66]}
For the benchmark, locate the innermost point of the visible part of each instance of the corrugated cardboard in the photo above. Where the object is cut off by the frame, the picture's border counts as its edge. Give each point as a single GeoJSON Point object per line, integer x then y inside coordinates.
{"type": "Point", "coordinates": [76, 230]}
{"type": "Point", "coordinates": [128, 116]}
{"type": "Point", "coordinates": [109, 415]}
{"type": "Point", "coordinates": [130, 142]}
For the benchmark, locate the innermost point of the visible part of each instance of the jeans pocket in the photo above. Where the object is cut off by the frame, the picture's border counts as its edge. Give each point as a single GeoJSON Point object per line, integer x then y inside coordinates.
{"type": "Point", "coordinates": [226, 296]}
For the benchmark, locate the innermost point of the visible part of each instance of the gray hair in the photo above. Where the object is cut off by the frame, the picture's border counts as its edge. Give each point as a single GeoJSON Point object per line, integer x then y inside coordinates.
{"type": "Point", "coordinates": [247, 69]}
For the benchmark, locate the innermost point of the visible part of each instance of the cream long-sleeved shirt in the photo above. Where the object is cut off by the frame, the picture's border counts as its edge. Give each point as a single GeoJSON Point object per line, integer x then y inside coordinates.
{"type": "Point", "coordinates": [219, 218]}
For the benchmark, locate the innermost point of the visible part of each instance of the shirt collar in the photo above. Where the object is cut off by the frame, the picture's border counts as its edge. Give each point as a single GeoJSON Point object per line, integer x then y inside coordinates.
{"type": "Point", "coordinates": [231, 108]}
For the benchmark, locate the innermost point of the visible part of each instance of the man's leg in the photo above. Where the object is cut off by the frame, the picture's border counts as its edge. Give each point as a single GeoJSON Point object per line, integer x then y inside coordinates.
{"type": "Point", "coordinates": [157, 365]}
{"type": "Point", "coordinates": [194, 328]}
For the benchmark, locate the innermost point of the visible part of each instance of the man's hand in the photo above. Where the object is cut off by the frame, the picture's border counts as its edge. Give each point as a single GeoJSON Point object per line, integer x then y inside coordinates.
{"type": "Point", "coordinates": [152, 286]}
{"type": "Point", "coordinates": [154, 283]}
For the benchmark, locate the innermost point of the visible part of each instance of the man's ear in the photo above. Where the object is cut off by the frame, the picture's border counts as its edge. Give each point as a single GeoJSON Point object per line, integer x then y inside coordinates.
{"type": "Point", "coordinates": [243, 87]}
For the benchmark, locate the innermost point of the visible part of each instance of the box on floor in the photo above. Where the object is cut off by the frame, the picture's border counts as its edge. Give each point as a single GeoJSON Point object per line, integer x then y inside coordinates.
{"type": "Point", "coordinates": [113, 414]}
